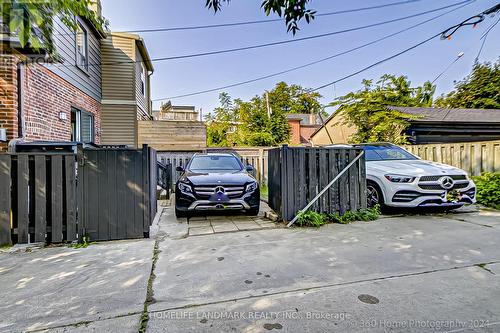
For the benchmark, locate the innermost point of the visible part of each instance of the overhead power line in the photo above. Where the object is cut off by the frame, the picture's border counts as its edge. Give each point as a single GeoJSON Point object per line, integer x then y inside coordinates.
{"type": "Point", "coordinates": [244, 48]}
{"type": "Point", "coordinates": [278, 42]}
{"type": "Point", "coordinates": [313, 62]}
{"type": "Point", "coordinates": [453, 29]}
{"type": "Point", "coordinates": [243, 23]}
{"type": "Point", "coordinates": [233, 24]}
{"type": "Point", "coordinates": [459, 56]}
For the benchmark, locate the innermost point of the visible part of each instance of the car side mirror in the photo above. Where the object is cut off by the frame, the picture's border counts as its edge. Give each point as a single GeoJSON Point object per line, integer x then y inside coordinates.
{"type": "Point", "coordinates": [179, 169]}
{"type": "Point", "coordinates": [249, 168]}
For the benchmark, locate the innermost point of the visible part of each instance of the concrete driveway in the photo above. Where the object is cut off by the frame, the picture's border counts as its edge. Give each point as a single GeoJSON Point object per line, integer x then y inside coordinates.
{"type": "Point", "coordinates": [417, 273]}
{"type": "Point", "coordinates": [398, 274]}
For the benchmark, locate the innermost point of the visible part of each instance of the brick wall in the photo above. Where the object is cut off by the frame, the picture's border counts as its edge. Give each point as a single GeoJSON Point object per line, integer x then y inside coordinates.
{"type": "Point", "coordinates": [8, 96]}
{"type": "Point", "coordinates": [44, 96]}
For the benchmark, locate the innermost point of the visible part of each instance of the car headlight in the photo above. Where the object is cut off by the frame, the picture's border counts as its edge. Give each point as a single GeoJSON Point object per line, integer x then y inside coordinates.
{"type": "Point", "coordinates": [185, 188]}
{"type": "Point", "coordinates": [251, 187]}
{"type": "Point", "coordinates": [400, 178]}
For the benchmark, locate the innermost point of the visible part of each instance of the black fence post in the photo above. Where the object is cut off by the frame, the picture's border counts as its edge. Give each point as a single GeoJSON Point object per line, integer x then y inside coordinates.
{"type": "Point", "coordinates": [5, 199]}
{"type": "Point", "coordinates": [80, 188]}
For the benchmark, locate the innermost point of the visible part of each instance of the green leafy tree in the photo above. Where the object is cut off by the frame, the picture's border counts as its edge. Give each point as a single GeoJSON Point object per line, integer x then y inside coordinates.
{"type": "Point", "coordinates": [220, 124]}
{"type": "Point", "coordinates": [292, 10]}
{"type": "Point", "coordinates": [294, 99]}
{"type": "Point", "coordinates": [31, 20]}
{"type": "Point", "coordinates": [252, 123]}
{"type": "Point", "coordinates": [366, 109]}
{"type": "Point", "coordinates": [479, 90]}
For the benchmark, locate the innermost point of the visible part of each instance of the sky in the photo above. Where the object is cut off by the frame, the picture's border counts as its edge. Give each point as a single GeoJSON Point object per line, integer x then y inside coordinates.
{"type": "Point", "coordinates": [183, 76]}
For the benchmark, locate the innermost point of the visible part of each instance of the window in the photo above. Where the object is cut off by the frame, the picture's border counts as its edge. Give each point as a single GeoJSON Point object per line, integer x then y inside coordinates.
{"type": "Point", "coordinates": [143, 79]}
{"type": "Point", "coordinates": [207, 163]}
{"type": "Point", "coordinates": [385, 153]}
{"type": "Point", "coordinates": [82, 45]}
{"type": "Point", "coordinates": [82, 126]}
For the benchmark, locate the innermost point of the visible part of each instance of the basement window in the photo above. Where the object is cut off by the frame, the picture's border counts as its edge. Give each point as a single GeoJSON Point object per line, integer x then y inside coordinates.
{"type": "Point", "coordinates": [82, 126]}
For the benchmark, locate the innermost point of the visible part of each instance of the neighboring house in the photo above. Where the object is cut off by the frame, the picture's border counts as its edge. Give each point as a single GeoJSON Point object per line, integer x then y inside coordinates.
{"type": "Point", "coordinates": [126, 88]}
{"type": "Point", "coordinates": [43, 101]}
{"type": "Point", "coordinates": [452, 125]}
{"type": "Point", "coordinates": [302, 126]}
{"type": "Point", "coordinates": [176, 112]}
{"type": "Point", "coordinates": [431, 125]}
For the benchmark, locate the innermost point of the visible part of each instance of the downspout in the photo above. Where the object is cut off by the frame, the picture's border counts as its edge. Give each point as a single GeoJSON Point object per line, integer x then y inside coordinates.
{"type": "Point", "coordinates": [20, 114]}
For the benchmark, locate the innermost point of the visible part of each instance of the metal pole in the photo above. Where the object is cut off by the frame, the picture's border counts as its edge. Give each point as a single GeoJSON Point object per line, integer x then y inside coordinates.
{"type": "Point", "coordinates": [292, 222]}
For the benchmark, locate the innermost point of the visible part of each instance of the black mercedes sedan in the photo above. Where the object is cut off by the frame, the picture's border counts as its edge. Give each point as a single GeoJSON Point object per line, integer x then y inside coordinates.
{"type": "Point", "coordinates": [216, 182]}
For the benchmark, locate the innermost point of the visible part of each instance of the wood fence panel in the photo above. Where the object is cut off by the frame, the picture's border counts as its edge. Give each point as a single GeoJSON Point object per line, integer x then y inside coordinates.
{"type": "Point", "coordinates": [103, 194]}
{"type": "Point", "coordinates": [22, 199]}
{"type": "Point", "coordinates": [57, 199]}
{"type": "Point", "coordinates": [473, 157]}
{"type": "Point", "coordinates": [304, 172]}
{"type": "Point", "coordinates": [40, 198]}
{"type": "Point", "coordinates": [71, 196]}
{"type": "Point", "coordinates": [5, 200]}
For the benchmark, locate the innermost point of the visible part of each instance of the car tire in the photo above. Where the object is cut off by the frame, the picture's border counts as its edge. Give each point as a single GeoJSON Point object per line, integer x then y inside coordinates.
{"type": "Point", "coordinates": [374, 195]}
{"type": "Point", "coordinates": [180, 214]}
{"type": "Point", "coordinates": [253, 211]}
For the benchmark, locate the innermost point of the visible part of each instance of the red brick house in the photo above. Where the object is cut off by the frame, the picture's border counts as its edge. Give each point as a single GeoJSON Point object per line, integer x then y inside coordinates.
{"type": "Point", "coordinates": [47, 101]}
{"type": "Point", "coordinates": [302, 126]}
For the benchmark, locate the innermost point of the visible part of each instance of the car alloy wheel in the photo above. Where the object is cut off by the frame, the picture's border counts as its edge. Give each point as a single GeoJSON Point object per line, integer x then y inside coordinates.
{"type": "Point", "coordinates": [372, 196]}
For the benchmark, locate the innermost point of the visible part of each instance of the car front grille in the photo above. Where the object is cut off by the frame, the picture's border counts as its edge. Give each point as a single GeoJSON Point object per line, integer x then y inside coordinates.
{"type": "Point", "coordinates": [204, 192]}
{"type": "Point", "coordinates": [432, 183]}
{"type": "Point", "coordinates": [436, 178]}
{"type": "Point", "coordinates": [438, 187]}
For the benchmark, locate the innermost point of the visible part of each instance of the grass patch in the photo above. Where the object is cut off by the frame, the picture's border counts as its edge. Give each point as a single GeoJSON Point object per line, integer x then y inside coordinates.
{"type": "Point", "coordinates": [315, 219]}
{"type": "Point", "coordinates": [264, 192]}
{"type": "Point", "coordinates": [86, 242]}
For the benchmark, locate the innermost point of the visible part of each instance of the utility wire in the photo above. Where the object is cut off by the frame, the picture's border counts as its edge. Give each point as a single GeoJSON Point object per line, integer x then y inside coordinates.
{"type": "Point", "coordinates": [484, 37]}
{"type": "Point", "coordinates": [377, 63]}
{"type": "Point", "coordinates": [355, 10]}
{"type": "Point", "coordinates": [313, 62]}
{"type": "Point", "coordinates": [193, 55]}
{"type": "Point", "coordinates": [459, 56]}
{"type": "Point", "coordinates": [446, 33]}
{"type": "Point", "coordinates": [275, 43]}
{"type": "Point", "coordinates": [243, 23]}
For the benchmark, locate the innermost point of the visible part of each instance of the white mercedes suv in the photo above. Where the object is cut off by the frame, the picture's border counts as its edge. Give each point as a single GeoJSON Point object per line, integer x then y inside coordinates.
{"type": "Point", "coordinates": [397, 178]}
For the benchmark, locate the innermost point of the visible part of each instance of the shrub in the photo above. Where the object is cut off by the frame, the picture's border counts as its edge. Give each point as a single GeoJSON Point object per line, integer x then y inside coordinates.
{"type": "Point", "coordinates": [310, 219]}
{"type": "Point", "coordinates": [314, 219]}
{"type": "Point", "coordinates": [488, 189]}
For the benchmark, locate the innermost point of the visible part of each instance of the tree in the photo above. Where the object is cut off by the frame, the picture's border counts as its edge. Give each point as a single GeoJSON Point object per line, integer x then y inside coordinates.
{"type": "Point", "coordinates": [251, 123]}
{"type": "Point", "coordinates": [479, 90]}
{"type": "Point", "coordinates": [292, 10]}
{"type": "Point", "coordinates": [294, 99]}
{"type": "Point", "coordinates": [220, 124]}
{"type": "Point", "coordinates": [32, 20]}
{"type": "Point", "coordinates": [366, 109]}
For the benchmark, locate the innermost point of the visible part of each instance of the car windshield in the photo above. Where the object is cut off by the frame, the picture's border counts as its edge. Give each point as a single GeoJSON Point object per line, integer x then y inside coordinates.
{"type": "Point", "coordinates": [211, 163]}
{"type": "Point", "coordinates": [386, 153]}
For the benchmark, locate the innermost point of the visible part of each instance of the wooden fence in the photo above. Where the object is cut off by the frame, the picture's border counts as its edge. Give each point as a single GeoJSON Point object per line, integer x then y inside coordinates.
{"type": "Point", "coordinates": [473, 157]}
{"type": "Point", "coordinates": [56, 197]}
{"type": "Point", "coordinates": [257, 157]}
{"type": "Point", "coordinates": [116, 195]}
{"type": "Point", "coordinates": [38, 198]}
{"type": "Point", "coordinates": [298, 174]}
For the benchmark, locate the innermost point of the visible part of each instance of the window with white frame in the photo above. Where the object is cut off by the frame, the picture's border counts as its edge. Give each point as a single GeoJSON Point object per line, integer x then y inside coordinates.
{"type": "Point", "coordinates": [82, 47]}
{"type": "Point", "coordinates": [82, 126]}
